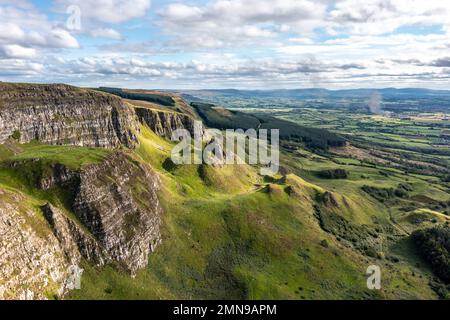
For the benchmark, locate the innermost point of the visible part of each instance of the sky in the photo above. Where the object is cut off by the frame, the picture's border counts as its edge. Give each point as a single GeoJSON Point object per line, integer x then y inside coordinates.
{"type": "Point", "coordinates": [242, 44]}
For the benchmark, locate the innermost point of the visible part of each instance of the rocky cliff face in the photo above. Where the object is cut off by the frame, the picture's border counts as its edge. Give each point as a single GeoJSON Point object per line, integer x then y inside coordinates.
{"type": "Point", "coordinates": [32, 261]}
{"type": "Point", "coordinates": [116, 202]}
{"type": "Point", "coordinates": [113, 214]}
{"type": "Point", "coordinates": [61, 114]}
{"type": "Point", "coordinates": [114, 218]}
{"type": "Point", "coordinates": [75, 242]}
{"type": "Point", "coordinates": [164, 123]}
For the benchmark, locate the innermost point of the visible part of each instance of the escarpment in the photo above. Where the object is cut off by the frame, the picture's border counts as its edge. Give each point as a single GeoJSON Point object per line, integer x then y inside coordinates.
{"type": "Point", "coordinates": [105, 212]}
{"type": "Point", "coordinates": [164, 123]}
{"type": "Point", "coordinates": [116, 202]}
{"type": "Point", "coordinates": [32, 261]}
{"type": "Point", "coordinates": [61, 114]}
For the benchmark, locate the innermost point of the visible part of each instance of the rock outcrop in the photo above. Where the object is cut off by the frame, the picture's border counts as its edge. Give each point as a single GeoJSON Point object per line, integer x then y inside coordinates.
{"type": "Point", "coordinates": [329, 200]}
{"type": "Point", "coordinates": [164, 123]}
{"type": "Point", "coordinates": [75, 242]}
{"type": "Point", "coordinates": [114, 218]}
{"type": "Point", "coordinates": [112, 214]}
{"type": "Point", "coordinates": [32, 261]}
{"type": "Point", "coordinates": [116, 201]}
{"type": "Point", "coordinates": [61, 114]}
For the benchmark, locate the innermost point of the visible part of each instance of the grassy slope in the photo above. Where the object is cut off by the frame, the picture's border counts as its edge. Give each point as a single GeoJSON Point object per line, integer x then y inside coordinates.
{"type": "Point", "coordinates": [227, 234]}
{"type": "Point", "coordinates": [249, 242]}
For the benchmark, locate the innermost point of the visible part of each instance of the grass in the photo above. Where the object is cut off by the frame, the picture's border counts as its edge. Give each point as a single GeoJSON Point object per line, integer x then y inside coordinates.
{"type": "Point", "coordinates": [248, 247]}
{"type": "Point", "coordinates": [228, 234]}
{"type": "Point", "coordinates": [249, 242]}
{"type": "Point", "coordinates": [73, 157]}
{"type": "Point", "coordinates": [21, 166]}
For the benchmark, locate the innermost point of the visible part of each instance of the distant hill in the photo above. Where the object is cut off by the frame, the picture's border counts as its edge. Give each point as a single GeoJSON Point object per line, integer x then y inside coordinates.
{"type": "Point", "coordinates": [323, 93]}
{"type": "Point", "coordinates": [390, 99]}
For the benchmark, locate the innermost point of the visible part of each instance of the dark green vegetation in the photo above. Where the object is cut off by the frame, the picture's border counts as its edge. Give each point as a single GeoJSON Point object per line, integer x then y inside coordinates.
{"type": "Point", "coordinates": [227, 119]}
{"type": "Point", "coordinates": [434, 245]}
{"type": "Point", "coordinates": [384, 194]}
{"type": "Point", "coordinates": [333, 174]}
{"type": "Point", "coordinates": [149, 97]}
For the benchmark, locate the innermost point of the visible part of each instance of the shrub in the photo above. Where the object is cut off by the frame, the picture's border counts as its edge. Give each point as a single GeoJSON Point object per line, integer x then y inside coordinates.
{"type": "Point", "coordinates": [16, 135]}
{"type": "Point", "coordinates": [383, 194]}
{"type": "Point", "coordinates": [434, 245]}
{"type": "Point", "coordinates": [333, 174]}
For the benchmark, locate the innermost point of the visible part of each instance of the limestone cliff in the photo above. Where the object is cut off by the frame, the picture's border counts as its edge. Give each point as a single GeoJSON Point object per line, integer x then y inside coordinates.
{"type": "Point", "coordinates": [61, 114]}
{"type": "Point", "coordinates": [163, 123]}
{"type": "Point", "coordinates": [75, 242]}
{"type": "Point", "coordinates": [112, 214]}
{"type": "Point", "coordinates": [116, 202]}
{"type": "Point", "coordinates": [113, 217]}
{"type": "Point", "coordinates": [32, 261]}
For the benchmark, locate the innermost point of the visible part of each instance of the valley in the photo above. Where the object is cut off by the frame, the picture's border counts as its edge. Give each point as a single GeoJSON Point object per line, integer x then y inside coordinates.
{"type": "Point", "coordinates": [352, 190]}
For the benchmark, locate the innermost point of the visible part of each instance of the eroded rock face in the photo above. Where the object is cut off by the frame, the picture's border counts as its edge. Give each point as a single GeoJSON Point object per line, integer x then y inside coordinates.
{"type": "Point", "coordinates": [115, 219]}
{"type": "Point", "coordinates": [61, 114]}
{"type": "Point", "coordinates": [329, 200]}
{"type": "Point", "coordinates": [75, 242]}
{"type": "Point", "coordinates": [165, 123]}
{"type": "Point", "coordinates": [32, 261]}
{"type": "Point", "coordinates": [116, 201]}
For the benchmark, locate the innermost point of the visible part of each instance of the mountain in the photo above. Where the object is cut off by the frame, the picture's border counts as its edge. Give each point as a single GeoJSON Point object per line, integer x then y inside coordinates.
{"type": "Point", "coordinates": [88, 187]}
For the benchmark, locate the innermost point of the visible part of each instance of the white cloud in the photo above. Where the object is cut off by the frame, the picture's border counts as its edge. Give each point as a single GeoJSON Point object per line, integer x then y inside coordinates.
{"type": "Point", "coordinates": [10, 32]}
{"type": "Point", "coordinates": [248, 42]}
{"type": "Point", "coordinates": [222, 23]}
{"type": "Point", "coordinates": [235, 23]}
{"type": "Point", "coordinates": [24, 26]}
{"type": "Point", "coordinates": [301, 40]}
{"type": "Point", "coordinates": [17, 67]}
{"type": "Point", "coordinates": [106, 33]}
{"type": "Point", "coordinates": [384, 16]}
{"type": "Point", "coordinates": [109, 11]}
{"type": "Point", "coordinates": [16, 51]}
{"type": "Point", "coordinates": [26, 37]}
{"type": "Point", "coordinates": [60, 38]}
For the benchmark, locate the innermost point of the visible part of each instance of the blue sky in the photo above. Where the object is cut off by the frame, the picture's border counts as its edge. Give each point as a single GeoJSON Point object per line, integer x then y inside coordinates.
{"type": "Point", "coordinates": [244, 44]}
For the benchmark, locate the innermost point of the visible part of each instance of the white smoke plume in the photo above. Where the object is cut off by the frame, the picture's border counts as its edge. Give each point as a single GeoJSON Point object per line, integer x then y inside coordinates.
{"type": "Point", "coordinates": [375, 103]}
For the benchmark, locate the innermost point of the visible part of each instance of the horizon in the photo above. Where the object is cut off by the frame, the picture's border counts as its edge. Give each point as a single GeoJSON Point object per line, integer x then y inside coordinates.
{"type": "Point", "coordinates": [229, 89]}
{"type": "Point", "coordinates": [252, 45]}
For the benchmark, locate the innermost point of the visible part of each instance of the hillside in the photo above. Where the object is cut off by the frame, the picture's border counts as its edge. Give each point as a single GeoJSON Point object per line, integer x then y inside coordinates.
{"type": "Point", "coordinates": [220, 118]}
{"type": "Point", "coordinates": [86, 179]}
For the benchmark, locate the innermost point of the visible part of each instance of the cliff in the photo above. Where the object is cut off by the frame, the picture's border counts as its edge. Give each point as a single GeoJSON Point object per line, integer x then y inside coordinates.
{"type": "Point", "coordinates": [32, 261]}
{"type": "Point", "coordinates": [164, 123]}
{"type": "Point", "coordinates": [106, 212]}
{"type": "Point", "coordinates": [116, 202]}
{"type": "Point", "coordinates": [61, 114]}
{"type": "Point", "coordinates": [112, 217]}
